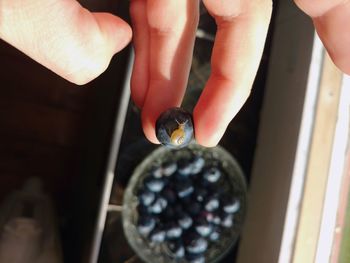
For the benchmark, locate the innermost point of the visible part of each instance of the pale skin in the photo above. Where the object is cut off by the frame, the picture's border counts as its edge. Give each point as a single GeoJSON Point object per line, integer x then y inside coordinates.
{"type": "Point", "coordinates": [78, 45]}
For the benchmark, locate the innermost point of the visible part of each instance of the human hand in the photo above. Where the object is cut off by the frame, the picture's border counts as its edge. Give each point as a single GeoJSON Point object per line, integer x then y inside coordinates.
{"type": "Point", "coordinates": [63, 36]}
{"type": "Point", "coordinates": [331, 19]}
{"type": "Point", "coordinates": [164, 34]}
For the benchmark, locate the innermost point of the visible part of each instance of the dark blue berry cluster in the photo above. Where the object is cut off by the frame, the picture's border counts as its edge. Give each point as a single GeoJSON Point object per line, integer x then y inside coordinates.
{"type": "Point", "coordinates": [183, 205]}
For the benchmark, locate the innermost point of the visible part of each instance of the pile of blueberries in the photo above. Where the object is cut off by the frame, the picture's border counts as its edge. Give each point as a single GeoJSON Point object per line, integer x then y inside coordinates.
{"type": "Point", "coordinates": [185, 206]}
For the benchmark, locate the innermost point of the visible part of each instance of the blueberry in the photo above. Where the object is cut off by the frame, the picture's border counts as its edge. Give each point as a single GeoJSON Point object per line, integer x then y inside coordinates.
{"type": "Point", "coordinates": [193, 208]}
{"type": "Point", "coordinates": [185, 221]}
{"type": "Point", "coordinates": [215, 235]}
{"type": "Point", "coordinates": [173, 231]}
{"type": "Point", "coordinates": [184, 188]}
{"type": "Point", "coordinates": [200, 193]}
{"type": "Point", "coordinates": [197, 164]}
{"type": "Point", "coordinates": [169, 194]}
{"type": "Point", "coordinates": [157, 235]}
{"type": "Point", "coordinates": [216, 220]}
{"type": "Point", "coordinates": [154, 184]}
{"type": "Point", "coordinates": [142, 210]}
{"type": "Point", "coordinates": [208, 216]}
{"type": "Point", "coordinates": [176, 248]}
{"type": "Point", "coordinates": [174, 128]}
{"type": "Point", "coordinates": [211, 203]}
{"type": "Point", "coordinates": [202, 227]}
{"type": "Point", "coordinates": [158, 206]}
{"type": "Point", "coordinates": [195, 258]}
{"type": "Point", "coordinates": [146, 197]}
{"type": "Point", "coordinates": [195, 244]}
{"type": "Point", "coordinates": [184, 167]}
{"type": "Point", "coordinates": [168, 213]}
{"type": "Point", "coordinates": [145, 224]}
{"type": "Point", "coordinates": [230, 204]}
{"type": "Point", "coordinates": [212, 174]}
{"type": "Point", "coordinates": [227, 220]}
{"type": "Point", "coordinates": [156, 171]}
{"type": "Point", "coordinates": [169, 168]}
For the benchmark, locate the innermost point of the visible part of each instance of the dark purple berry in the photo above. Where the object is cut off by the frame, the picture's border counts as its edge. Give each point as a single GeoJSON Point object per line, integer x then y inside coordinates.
{"type": "Point", "coordinates": [173, 231]}
{"type": "Point", "coordinates": [195, 258]}
{"type": "Point", "coordinates": [154, 184]}
{"type": "Point", "coordinates": [169, 194]}
{"type": "Point", "coordinates": [226, 220]}
{"type": "Point", "coordinates": [146, 197]}
{"type": "Point", "coordinates": [158, 206]}
{"type": "Point", "coordinates": [184, 167]}
{"type": "Point", "coordinates": [195, 244]}
{"type": "Point", "coordinates": [145, 224]}
{"type": "Point", "coordinates": [200, 193]}
{"type": "Point", "coordinates": [185, 221]}
{"type": "Point", "coordinates": [169, 168]}
{"type": "Point", "coordinates": [211, 203]}
{"type": "Point", "coordinates": [202, 227]}
{"type": "Point", "coordinates": [156, 171]}
{"type": "Point", "coordinates": [157, 235]}
{"type": "Point", "coordinates": [197, 164]}
{"type": "Point", "coordinates": [174, 128]}
{"type": "Point", "coordinates": [215, 235]}
{"type": "Point", "coordinates": [212, 174]}
{"type": "Point", "coordinates": [230, 204]}
{"type": "Point", "coordinates": [176, 248]}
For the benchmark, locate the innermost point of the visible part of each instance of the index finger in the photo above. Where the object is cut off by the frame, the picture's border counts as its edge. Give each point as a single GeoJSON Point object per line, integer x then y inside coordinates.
{"type": "Point", "coordinates": [239, 42]}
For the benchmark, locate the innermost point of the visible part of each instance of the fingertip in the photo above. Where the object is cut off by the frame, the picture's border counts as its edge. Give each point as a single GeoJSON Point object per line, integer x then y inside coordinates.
{"type": "Point", "coordinates": [148, 126]}
{"type": "Point", "coordinates": [207, 132]}
{"type": "Point", "coordinates": [117, 32]}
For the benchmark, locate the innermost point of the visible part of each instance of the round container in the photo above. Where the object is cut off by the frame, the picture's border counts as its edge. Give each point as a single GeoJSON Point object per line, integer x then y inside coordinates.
{"type": "Point", "coordinates": [233, 183]}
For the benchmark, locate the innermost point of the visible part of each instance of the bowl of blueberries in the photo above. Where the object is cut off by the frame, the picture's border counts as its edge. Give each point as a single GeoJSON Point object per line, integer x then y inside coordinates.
{"type": "Point", "coordinates": [185, 205]}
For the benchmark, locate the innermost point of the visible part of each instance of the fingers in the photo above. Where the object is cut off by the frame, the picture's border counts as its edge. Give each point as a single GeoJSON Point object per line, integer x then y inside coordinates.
{"type": "Point", "coordinates": [139, 78]}
{"type": "Point", "coordinates": [239, 43]}
{"type": "Point", "coordinates": [331, 19]}
{"type": "Point", "coordinates": [63, 36]}
{"type": "Point", "coordinates": [172, 26]}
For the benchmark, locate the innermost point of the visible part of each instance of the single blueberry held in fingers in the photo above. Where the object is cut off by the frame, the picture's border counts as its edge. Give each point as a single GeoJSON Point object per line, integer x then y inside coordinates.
{"type": "Point", "coordinates": [174, 128]}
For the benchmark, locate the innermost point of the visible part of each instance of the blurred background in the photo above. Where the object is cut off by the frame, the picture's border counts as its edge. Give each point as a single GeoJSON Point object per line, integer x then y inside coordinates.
{"type": "Point", "coordinates": [290, 139]}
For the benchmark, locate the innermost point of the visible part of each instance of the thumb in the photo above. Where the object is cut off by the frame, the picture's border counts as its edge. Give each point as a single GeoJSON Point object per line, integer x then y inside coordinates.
{"type": "Point", "coordinates": [63, 36]}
